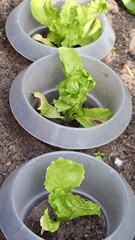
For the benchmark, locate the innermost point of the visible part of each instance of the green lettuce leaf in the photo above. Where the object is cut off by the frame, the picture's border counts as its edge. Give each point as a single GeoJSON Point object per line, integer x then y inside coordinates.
{"type": "Point", "coordinates": [91, 10]}
{"type": "Point", "coordinates": [37, 10]}
{"type": "Point", "coordinates": [52, 16]}
{"type": "Point", "coordinates": [64, 174]}
{"type": "Point", "coordinates": [68, 12]}
{"type": "Point", "coordinates": [73, 90]}
{"type": "Point", "coordinates": [55, 194]}
{"type": "Point", "coordinates": [76, 18]}
{"type": "Point", "coordinates": [67, 28]}
{"type": "Point", "coordinates": [68, 206]}
{"type": "Point", "coordinates": [130, 5]}
{"type": "Point", "coordinates": [73, 93]}
{"type": "Point", "coordinates": [93, 116]}
{"type": "Point", "coordinates": [44, 13]}
{"type": "Point", "coordinates": [71, 61]}
{"type": "Point", "coordinates": [44, 108]}
{"type": "Point", "coordinates": [91, 32]}
{"type": "Point", "coordinates": [47, 223]}
{"type": "Point", "coordinates": [73, 36]}
{"type": "Point", "coordinates": [61, 105]}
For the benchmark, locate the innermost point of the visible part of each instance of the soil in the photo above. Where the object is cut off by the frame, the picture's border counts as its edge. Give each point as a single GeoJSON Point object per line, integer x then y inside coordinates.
{"type": "Point", "coordinates": [18, 146]}
{"type": "Point", "coordinates": [73, 123]}
{"type": "Point", "coordinates": [82, 228]}
{"type": "Point", "coordinates": [65, 123]}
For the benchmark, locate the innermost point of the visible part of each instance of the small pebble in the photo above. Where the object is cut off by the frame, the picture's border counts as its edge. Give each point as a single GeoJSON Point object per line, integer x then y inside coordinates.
{"type": "Point", "coordinates": [8, 163]}
{"type": "Point", "coordinates": [118, 162]}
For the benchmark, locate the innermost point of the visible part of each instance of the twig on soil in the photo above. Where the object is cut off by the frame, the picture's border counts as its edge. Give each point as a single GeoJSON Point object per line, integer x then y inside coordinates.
{"type": "Point", "coordinates": [126, 66]}
{"type": "Point", "coordinates": [42, 232]}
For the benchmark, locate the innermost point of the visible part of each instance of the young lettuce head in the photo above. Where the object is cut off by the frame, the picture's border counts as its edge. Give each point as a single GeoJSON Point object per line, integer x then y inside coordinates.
{"type": "Point", "coordinates": [62, 176]}
{"type": "Point", "coordinates": [73, 92]}
{"type": "Point", "coordinates": [73, 25]}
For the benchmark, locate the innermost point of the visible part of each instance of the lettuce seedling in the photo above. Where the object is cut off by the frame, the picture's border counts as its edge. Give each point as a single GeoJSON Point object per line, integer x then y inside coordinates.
{"type": "Point", "coordinates": [99, 155]}
{"type": "Point", "coordinates": [62, 176]}
{"type": "Point", "coordinates": [73, 25]}
{"type": "Point", "coordinates": [73, 92]}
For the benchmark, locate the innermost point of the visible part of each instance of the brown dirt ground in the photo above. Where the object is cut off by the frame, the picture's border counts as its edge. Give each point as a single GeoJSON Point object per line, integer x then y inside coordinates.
{"type": "Point", "coordinates": [17, 146]}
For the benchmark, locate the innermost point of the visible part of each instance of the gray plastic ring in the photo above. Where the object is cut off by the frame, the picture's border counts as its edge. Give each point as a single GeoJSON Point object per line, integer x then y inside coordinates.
{"type": "Point", "coordinates": [43, 75]}
{"type": "Point", "coordinates": [24, 188]}
{"type": "Point", "coordinates": [20, 26]}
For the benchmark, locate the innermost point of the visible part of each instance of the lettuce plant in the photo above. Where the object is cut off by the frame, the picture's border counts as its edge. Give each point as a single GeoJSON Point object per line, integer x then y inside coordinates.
{"type": "Point", "coordinates": [62, 176]}
{"type": "Point", "coordinates": [130, 6]}
{"type": "Point", "coordinates": [73, 25]}
{"type": "Point", "coordinates": [73, 92]}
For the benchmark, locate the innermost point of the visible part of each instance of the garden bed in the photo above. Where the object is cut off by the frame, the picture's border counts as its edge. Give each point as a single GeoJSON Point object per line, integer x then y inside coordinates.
{"type": "Point", "coordinates": [17, 146]}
